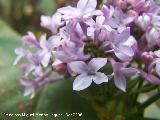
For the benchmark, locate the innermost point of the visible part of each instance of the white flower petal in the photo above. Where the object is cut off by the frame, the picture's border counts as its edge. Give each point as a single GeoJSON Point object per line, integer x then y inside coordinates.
{"type": "Point", "coordinates": [82, 82]}
{"type": "Point", "coordinates": [100, 20]}
{"type": "Point", "coordinates": [120, 81]}
{"type": "Point", "coordinates": [78, 67]}
{"type": "Point", "coordinates": [129, 72]}
{"type": "Point", "coordinates": [130, 42]}
{"type": "Point", "coordinates": [43, 41]}
{"type": "Point", "coordinates": [100, 78]}
{"type": "Point", "coordinates": [157, 53]}
{"type": "Point", "coordinates": [69, 12]}
{"type": "Point", "coordinates": [87, 5]}
{"type": "Point", "coordinates": [97, 63]}
{"type": "Point", "coordinates": [124, 53]}
{"type": "Point", "coordinates": [46, 59]}
{"type": "Point", "coordinates": [158, 68]}
{"type": "Point", "coordinates": [29, 91]}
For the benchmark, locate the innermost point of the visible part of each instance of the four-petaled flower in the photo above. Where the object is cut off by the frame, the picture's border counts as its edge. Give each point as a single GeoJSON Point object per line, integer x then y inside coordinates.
{"type": "Point", "coordinates": [84, 9]}
{"type": "Point", "coordinates": [87, 73]}
{"type": "Point", "coordinates": [120, 72]}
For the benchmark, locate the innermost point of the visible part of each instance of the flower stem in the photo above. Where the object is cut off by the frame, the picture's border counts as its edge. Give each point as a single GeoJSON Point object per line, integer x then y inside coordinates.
{"type": "Point", "coordinates": [148, 102]}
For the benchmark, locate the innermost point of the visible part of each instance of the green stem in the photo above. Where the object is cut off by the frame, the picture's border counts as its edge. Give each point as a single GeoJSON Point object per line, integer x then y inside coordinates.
{"type": "Point", "coordinates": [150, 101]}
{"type": "Point", "coordinates": [144, 89]}
{"type": "Point", "coordinates": [136, 95]}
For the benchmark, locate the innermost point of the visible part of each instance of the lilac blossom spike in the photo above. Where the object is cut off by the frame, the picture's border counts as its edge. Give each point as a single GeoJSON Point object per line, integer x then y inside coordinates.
{"type": "Point", "coordinates": [83, 38]}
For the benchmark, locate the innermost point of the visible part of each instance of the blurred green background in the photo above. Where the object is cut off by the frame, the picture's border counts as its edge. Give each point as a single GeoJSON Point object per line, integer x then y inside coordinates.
{"type": "Point", "coordinates": [16, 18]}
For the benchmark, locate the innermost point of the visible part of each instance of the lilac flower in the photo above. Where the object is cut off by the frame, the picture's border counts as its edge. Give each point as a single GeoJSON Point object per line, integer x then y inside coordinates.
{"type": "Point", "coordinates": [69, 52]}
{"type": "Point", "coordinates": [76, 33]}
{"type": "Point", "coordinates": [123, 44]}
{"type": "Point", "coordinates": [30, 39]}
{"type": "Point", "coordinates": [52, 23]}
{"type": "Point", "coordinates": [156, 62]}
{"type": "Point", "coordinates": [153, 34]}
{"type": "Point", "coordinates": [151, 24]}
{"type": "Point", "coordinates": [120, 73]}
{"type": "Point", "coordinates": [97, 25]}
{"type": "Point", "coordinates": [148, 57]}
{"type": "Point", "coordinates": [29, 89]}
{"type": "Point", "coordinates": [117, 19]}
{"type": "Point", "coordinates": [46, 49]}
{"type": "Point", "coordinates": [33, 65]}
{"type": "Point", "coordinates": [21, 53]}
{"type": "Point", "coordinates": [140, 5]}
{"type": "Point", "coordinates": [84, 9]}
{"type": "Point", "coordinates": [144, 21]}
{"type": "Point", "coordinates": [33, 86]}
{"type": "Point", "coordinates": [87, 73]}
{"type": "Point", "coordinates": [150, 78]}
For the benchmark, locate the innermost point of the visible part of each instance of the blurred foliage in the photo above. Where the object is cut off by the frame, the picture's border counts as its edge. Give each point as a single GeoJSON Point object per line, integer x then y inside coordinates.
{"type": "Point", "coordinates": [24, 15]}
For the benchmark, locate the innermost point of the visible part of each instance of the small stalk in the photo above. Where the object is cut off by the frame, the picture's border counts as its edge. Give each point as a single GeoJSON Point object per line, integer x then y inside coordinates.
{"type": "Point", "coordinates": [151, 100]}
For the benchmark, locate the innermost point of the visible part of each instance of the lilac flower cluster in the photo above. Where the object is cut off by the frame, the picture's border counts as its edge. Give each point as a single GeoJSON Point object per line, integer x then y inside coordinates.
{"type": "Point", "coordinates": [86, 39]}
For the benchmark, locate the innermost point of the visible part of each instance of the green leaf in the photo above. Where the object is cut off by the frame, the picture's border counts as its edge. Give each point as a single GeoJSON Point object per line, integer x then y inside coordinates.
{"type": "Point", "coordinates": [60, 98]}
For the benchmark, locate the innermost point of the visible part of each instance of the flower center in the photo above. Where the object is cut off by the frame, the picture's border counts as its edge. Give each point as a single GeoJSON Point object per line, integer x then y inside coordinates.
{"type": "Point", "coordinates": [94, 49]}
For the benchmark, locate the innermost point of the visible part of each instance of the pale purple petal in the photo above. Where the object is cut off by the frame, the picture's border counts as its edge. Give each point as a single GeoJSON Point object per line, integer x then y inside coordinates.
{"type": "Point", "coordinates": [130, 42]}
{"type": "Point", "coordinates": [155, 61]}
{"type": "Point", "coordinates": [144, 21]}
{"type": "Point", "coordinates": [125, 34]}
{"type": "Point", "coordinates": [97, 63]}
{"type": "Point", "coordinates": [55, 41]}
{"type": "Point", "coordinates": [25, 81]}
{"type": "Point", "coordinates": [99, 78]}
{"type": "Point", "coordinates": [152, 37]}
{"type": "Point", "coordinates": [87, 5]}
{"type": "Point", "coordinates": [130, 17]}
{"type": "Point", "coordinates": [46, 59]}
{"type": "Point", "coordinates": [29, 90]}
{"type": "Point", "coordinates": [100, 20]}
{"type": "Point", "coordinates": [20, 52]}
{"type": "Point", "coordinates": [150, 78]}
{"type": "Point", "coordinates": [120, 81]}
{"type": "Point", "coordinates": [30, 39]}
{"type": "Point", "coordinates": [46, 21]}
{"type": "Point", "coordinates": [129, 72]}
{"type": "Point", "coordinates": [90, 31]}
{"type": "Point", "coordinates": [69, 12]}
{"type": "Point", "coordinates": [158, 68]}
{"type": "Point", "coordinates": [78, 67]}
{"type": "Point", "coordinates": [51, 23]}
{"type": "Point", "coordinates": [90, 22]}
{"type": "Point", "coordinates": [82, 82]}
{"type": "Point", "coordinates": [157, 53]}
{"type": "Point", "coordinates": [124, 53]}
{"type": "Point", "coordinates": [27, 68]}
{"type": "Point", "coordinates": [43, 42]}
{"type": "Point", "coordinates": [38, 70]}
